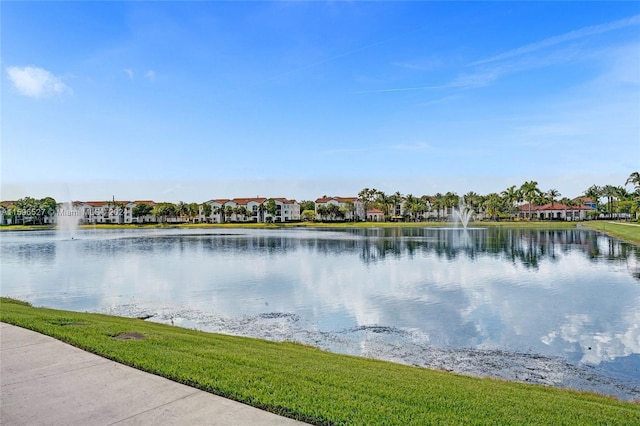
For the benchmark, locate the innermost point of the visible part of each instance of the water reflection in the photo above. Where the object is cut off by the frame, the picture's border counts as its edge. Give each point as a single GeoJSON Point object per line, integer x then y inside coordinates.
{"type": "Point", "coordinates": [394, 293]}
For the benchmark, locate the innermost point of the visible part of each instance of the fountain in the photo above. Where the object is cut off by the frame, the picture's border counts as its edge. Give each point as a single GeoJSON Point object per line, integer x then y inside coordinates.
{"type": "Point", "coordinates": [67, 220]}
{"type": "Point", "coordinates": [463, 213]}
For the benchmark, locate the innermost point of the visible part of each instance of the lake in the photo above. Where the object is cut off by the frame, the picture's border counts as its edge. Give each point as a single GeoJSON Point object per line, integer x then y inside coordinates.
{"type": "Point", "coordinates": [560, 308]}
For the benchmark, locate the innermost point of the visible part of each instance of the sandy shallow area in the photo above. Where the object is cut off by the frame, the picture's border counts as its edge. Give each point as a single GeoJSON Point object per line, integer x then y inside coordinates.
{"type": "Point", "coordinates": [402, 346]}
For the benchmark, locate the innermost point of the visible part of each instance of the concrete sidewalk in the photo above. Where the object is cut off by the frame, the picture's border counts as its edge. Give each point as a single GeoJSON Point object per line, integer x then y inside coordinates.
{"type": "Point", "coordinates": [47, 382]}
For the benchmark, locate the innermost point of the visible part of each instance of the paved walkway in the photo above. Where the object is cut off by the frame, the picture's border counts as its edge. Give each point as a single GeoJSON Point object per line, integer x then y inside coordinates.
{"type": "Point", "coordinates": [47, 382]}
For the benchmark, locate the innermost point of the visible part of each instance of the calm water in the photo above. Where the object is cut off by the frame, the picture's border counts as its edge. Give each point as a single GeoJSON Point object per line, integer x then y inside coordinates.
{"type": "Point", "coordinates": [555, 307]}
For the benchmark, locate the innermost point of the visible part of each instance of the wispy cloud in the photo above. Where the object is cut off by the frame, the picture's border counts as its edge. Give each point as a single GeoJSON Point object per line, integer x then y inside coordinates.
{"type": "Point", "coordinates": [150, 75]}
{"type": "Point", "coordinates": [563, 38]}
{"type": "Point", "coordinates": [488, 70]}
{"type": "Point", "coordinates": [129, 73]}
{"type": "Point", "coordinates": [421, 65]}
{"type": "Point", "coordinates": [36, 82]}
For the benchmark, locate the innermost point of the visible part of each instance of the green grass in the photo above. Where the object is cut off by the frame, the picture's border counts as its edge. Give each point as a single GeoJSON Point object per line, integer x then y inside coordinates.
{"type": "Point", "coordinates": [315, 386]}
{"type": "Point", "coordinates": [625, 231]}
{"type": "Point", "coordinates": [518, 224]}
{"type": "Point", "coordinates": [25, 227]}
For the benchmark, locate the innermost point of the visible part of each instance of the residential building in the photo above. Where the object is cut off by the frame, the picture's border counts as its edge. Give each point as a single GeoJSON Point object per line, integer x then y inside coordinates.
{"type": "Point", "coordinates": [585, 201]}
{"type": "Point", "coordinates": [555, 211]}
{"type": "Point", "coordinates": [375, 215]}
{"type": "Point", "coordinates": [350, 208]}
{"type": "Point", "coordinates": [250, 210]}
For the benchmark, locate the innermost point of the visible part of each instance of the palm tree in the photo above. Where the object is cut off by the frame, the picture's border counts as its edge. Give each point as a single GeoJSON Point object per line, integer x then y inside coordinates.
{"type": "Point", "coordinates": [182, 209]}
{"type": "Point", "coordinates": [551, 195]}
{"type": "Point", "coordinates": [594, 192]}
{"type": "Point", "coordinates": [425, 201]}
{"type": "Point", "coordinates": [451, 199]}
{"type": "Point", "coordinates": [394, 201]}
{"type": "Point", "coordinates": [634, 179]}
{"type": "Point", "coordinates": [609, 191]}
{"type": "Point", "coordinates": [438, 203]}
{"type": "Point", "coordinates": [228, 211]}
{"type": "Point", "coordinates": [530, 192]}
{"type": "Point", "coordinates": [511, 195]}
{"type": "Point", "coordinates": [492, 204]}
{"type": "Point", "coordinates": [367, 196]}
{"type": "Point", "coordinates": [242, 211]}
{"type": "Point", "coordinates": [332, 211]}
{"type": "Point", "coordinates": [322, 211]}
{"type": "Point", "coordinates": [382, 202]}
{"type": "Point", "coordinates": [540, 200]}
{"type": "Point", "coordinates": [472, 199]}
{"type": "Point", "coordinates": [621, 194]}
{"type": "Point", "coordinates": [206, 212]}
{"type": "Point", "coordinates": [410, 203]}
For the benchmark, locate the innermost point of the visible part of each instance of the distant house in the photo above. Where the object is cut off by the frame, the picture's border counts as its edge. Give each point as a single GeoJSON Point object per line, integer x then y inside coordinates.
{"type": "Point", "coordinates": [585, 201]}
{"type": "Point", "coordinates": [375, 215]}
{"type": "Point", "coordinates": [555, 211]}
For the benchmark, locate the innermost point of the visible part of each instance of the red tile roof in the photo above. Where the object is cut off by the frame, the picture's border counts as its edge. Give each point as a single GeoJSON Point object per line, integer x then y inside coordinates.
{"type": "Point", "coordinates": [323, 200]}
{"type": "Point", "coordinates": [584, 199]}
{"type": "Point", "coordinates": [554, 207]}
{"type": "Point", "coordinates": [245, 201]}
{"type": "Point", "coordinates": [284, 200]}
{"type": "Point", "coordinates": [92, 203]}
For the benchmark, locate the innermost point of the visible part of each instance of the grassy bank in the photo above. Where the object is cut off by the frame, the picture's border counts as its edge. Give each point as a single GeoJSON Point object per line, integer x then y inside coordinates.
{"type": "Point", "coordinates": [315, 386]}
{"type": "Point", "coordinates": [624, 231]}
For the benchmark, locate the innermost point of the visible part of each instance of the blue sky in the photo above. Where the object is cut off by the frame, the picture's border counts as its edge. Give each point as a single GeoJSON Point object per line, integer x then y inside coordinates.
{"type": "Point", "coordinates": [198, 100]}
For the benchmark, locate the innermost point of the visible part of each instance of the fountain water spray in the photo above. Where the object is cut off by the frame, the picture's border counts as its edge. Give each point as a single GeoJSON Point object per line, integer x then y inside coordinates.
{"type": "Point", "coordinates": [67, 220]}
{"type": "Point", "coordinates": [463, 213]}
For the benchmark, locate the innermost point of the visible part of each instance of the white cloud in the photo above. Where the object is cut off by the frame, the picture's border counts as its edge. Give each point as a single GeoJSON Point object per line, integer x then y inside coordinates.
{"type": "Point", "coordinates": [129, 73]}
{"type": "Point", "coordinates": [150, 75]}
{"type": "Point", "coordinates": [36, 82]}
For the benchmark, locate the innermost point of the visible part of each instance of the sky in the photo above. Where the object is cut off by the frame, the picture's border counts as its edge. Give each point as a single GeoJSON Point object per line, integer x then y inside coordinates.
{"type": "Point", "coordinates": [189, 101]}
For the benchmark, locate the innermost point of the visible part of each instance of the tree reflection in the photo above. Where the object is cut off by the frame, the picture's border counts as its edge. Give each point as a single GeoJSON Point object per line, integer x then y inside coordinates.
{"type": "Point", "coordinates": [526, 247]}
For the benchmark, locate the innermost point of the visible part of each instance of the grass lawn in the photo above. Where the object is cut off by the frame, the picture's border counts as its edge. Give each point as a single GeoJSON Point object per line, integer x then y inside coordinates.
{"type": "Point", "coordinates": [625, 231]}
{"type": "Point", "coordinates": [318, 387]}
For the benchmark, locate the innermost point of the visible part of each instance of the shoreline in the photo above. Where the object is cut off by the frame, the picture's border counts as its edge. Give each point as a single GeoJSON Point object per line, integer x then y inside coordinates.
{"type": "Point", "coordinates": [628, 232]}
{"type": "Point", "coordinates": [312, 385]}
{"type": "Point", "coordinates": [400, 346]}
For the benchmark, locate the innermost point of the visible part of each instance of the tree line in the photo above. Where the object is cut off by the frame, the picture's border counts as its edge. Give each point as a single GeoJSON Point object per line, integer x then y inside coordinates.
{"type": "Point", "coordinates": [502, 205]}
{"type": "Point", "coordinates": [496, 206]}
